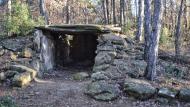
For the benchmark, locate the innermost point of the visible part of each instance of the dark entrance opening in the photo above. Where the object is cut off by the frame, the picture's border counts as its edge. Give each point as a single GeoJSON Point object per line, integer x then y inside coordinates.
{"type": "Point", "coordinates": [75, 50]}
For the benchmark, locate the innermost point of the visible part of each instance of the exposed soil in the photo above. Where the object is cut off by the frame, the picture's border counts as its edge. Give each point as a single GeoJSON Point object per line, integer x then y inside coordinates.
{"type": "Point", "coordinates": [59, 90]}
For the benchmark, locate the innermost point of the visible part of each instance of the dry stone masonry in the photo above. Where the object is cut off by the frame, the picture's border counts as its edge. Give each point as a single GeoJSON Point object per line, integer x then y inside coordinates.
{"type": "Point", "coordinates": [118, 66]}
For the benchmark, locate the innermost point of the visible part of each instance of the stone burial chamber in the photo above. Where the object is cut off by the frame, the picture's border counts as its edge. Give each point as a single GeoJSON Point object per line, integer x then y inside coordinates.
{"type": "Point", "coordinates": [66, 46]}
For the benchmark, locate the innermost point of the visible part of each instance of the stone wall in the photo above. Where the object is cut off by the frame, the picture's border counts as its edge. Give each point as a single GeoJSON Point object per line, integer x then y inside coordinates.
{"type": "Point", "coordinates": [116, 60]}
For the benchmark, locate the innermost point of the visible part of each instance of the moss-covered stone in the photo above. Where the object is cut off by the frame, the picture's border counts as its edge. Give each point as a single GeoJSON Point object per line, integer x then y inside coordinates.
{"type": "Point", "coordinates": [27, 53]}
{"type": "Point", "coordinates": [21, 79]}
{"type": "Point", "coordinates": [80, 76]}
{"type": "Point", "coordinates": [101, 90]}
{"type": "Point", "coordinates": [184, 94]}
{"type": "Point", "coordinates": [9, 74]}
{"type": "Point", "coordinates": [139, 89]}
{"type": "Point", "coordinates": [167, 93]}
{"type": "Point", "coordinates": [6, 101]}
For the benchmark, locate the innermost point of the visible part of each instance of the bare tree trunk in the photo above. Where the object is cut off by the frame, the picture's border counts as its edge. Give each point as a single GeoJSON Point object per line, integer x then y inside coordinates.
{"type": "Point", "coordinates": [9, 13]}
{"type": "Point", "coordinates": [121, 13]}
{"type": "Point", "coordinates": [124, 14]}
{"type": "Point", "coordinates": [154, 39]}
{"type": "Point", "coordinates": [147, 26]}
{"type": "Point", "coordinates": [185, 18]}
{"type": "Point", "coordinates": [43, 11]}
{"type": "Point", "coordinates": [165, 13]}
{"type": "Point", "coordinates": [105, 12]}
{"type": "Point", "coordinates": [178, 31]}
{"type": "Point", "coordinates": [114, 15]}
{"type": "Point", "coordinates": [68, 11]}
{"type": "Point", "coordinates": [136, 8]}
{"type": "Point", "coordinates": [140, 20]}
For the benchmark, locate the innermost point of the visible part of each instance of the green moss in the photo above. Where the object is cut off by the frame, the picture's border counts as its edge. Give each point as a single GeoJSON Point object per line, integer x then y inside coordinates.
{"type": "Point", "coordinates": [7, 101]}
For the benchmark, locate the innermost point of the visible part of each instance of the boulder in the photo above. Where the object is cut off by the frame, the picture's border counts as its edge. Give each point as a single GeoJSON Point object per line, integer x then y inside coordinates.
{"type": "Point", "coordinates": [114, 73]}
{"type": "Point", "coordinates": [101, 90]}
{"type": "Point", "coordinates": [136, 68]}
{"type": "Point", "coordinates": [139, 89]}
{"type": "Point", "coordinates": [117, 40]}
{"type": "Point", "coordinates": [21, 79]}
{"type": "Point", "coordinates": [105, 48]}
{"type": "Point", "coordinates": [16, 44]}
{"type": "Point", "coordinates": [80, 76]}
{"type": "Point", "coordinates": [97, 76]}
{"type": "Point", "coordinates": [167, 93]}
{"type": "Point", "coordinates": [103, 58]}
{"type": "Point", "coordinates": [102, 67]}
{"type": "Point", "coordinates": [175, 71]}
{"type": "Point", "coordinates": [22, 68]}
{"type": "Point", "coordinates": [184, 94]}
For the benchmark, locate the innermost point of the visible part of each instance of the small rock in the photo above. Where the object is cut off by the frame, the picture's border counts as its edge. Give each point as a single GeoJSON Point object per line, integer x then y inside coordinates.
{"type": "Point", "coordinates": [139, 89]}
{"type": "Point", "coordinates": [167, 93]}
{"type": "Point", "coordinates": [162, 101]}
{"type": "Point", "coordinates": [101, 90]}
{"type": "Point", "coordinates": [13, 56]}
{"type": "Point", "coordinates": [22, 79]}
{"type": "Point", "coordinates": [184, 94]}
{"type": "Point", "coordinates": [80, 76]}
{"type": "Point", "coordinates": [27, 53]}
{"type": "Point", "coordinates": [2, 76]}
{"type": "Point", "coordinates": [2, 51]}
{"type": "Point", "coordinates": [10, 74]}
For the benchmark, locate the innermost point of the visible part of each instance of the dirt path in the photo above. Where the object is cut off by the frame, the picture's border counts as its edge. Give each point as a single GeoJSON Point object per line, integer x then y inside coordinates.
{"type": "Point", "coordinates": [60, 90]}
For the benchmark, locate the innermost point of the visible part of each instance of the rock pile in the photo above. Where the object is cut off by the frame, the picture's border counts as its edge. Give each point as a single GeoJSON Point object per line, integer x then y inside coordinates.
{"type": "Point", "coordinates": [114, 62]}
{"type": "Point", "coordinates": [17, 69]}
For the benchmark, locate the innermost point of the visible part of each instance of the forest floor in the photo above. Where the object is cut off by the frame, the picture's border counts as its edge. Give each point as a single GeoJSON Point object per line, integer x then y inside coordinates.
{"type": "Point", "coordinates": [59, 90]}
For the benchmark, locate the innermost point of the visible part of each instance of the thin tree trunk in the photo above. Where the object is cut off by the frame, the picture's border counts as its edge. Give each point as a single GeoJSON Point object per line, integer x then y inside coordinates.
{"type": "Point", "coordinates": [136, 8]}
{"type": "Point", "coordinates": [185, 17]}
{"type": "Point", "coordinates": [104, 11]}
{"type": "Point", "coordinates": [68, 11]}
{"type": "Point", "coordinates": [178, 31]}
{"type": "Point", "coordinates": [154, 39]}
{"type": "Point", "coordinates": [43, 11]}
{"type": "Point", "coordinates": [165, 13]}
{"type": "Point", "coordinates": [147, 26]}
{"type": "Point", "coordinates": [9, 13]}
{"type": "Point", "coordinates": [107, 10]}
{"type": "Point", "coordinates": [140, 20]}
{"type": "Point", "coordinates": [121, 13]}
{"type": "Point", "coordinates": [124, 10]}
{"type": "Point", "coordinates": [114, 15]}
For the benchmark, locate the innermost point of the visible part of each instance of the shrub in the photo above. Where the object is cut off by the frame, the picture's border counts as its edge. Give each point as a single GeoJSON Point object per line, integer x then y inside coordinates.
{"type": "Point", "coordinates": [164, 37]}
{"type": "Point", "coordinates": [19, 21]}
